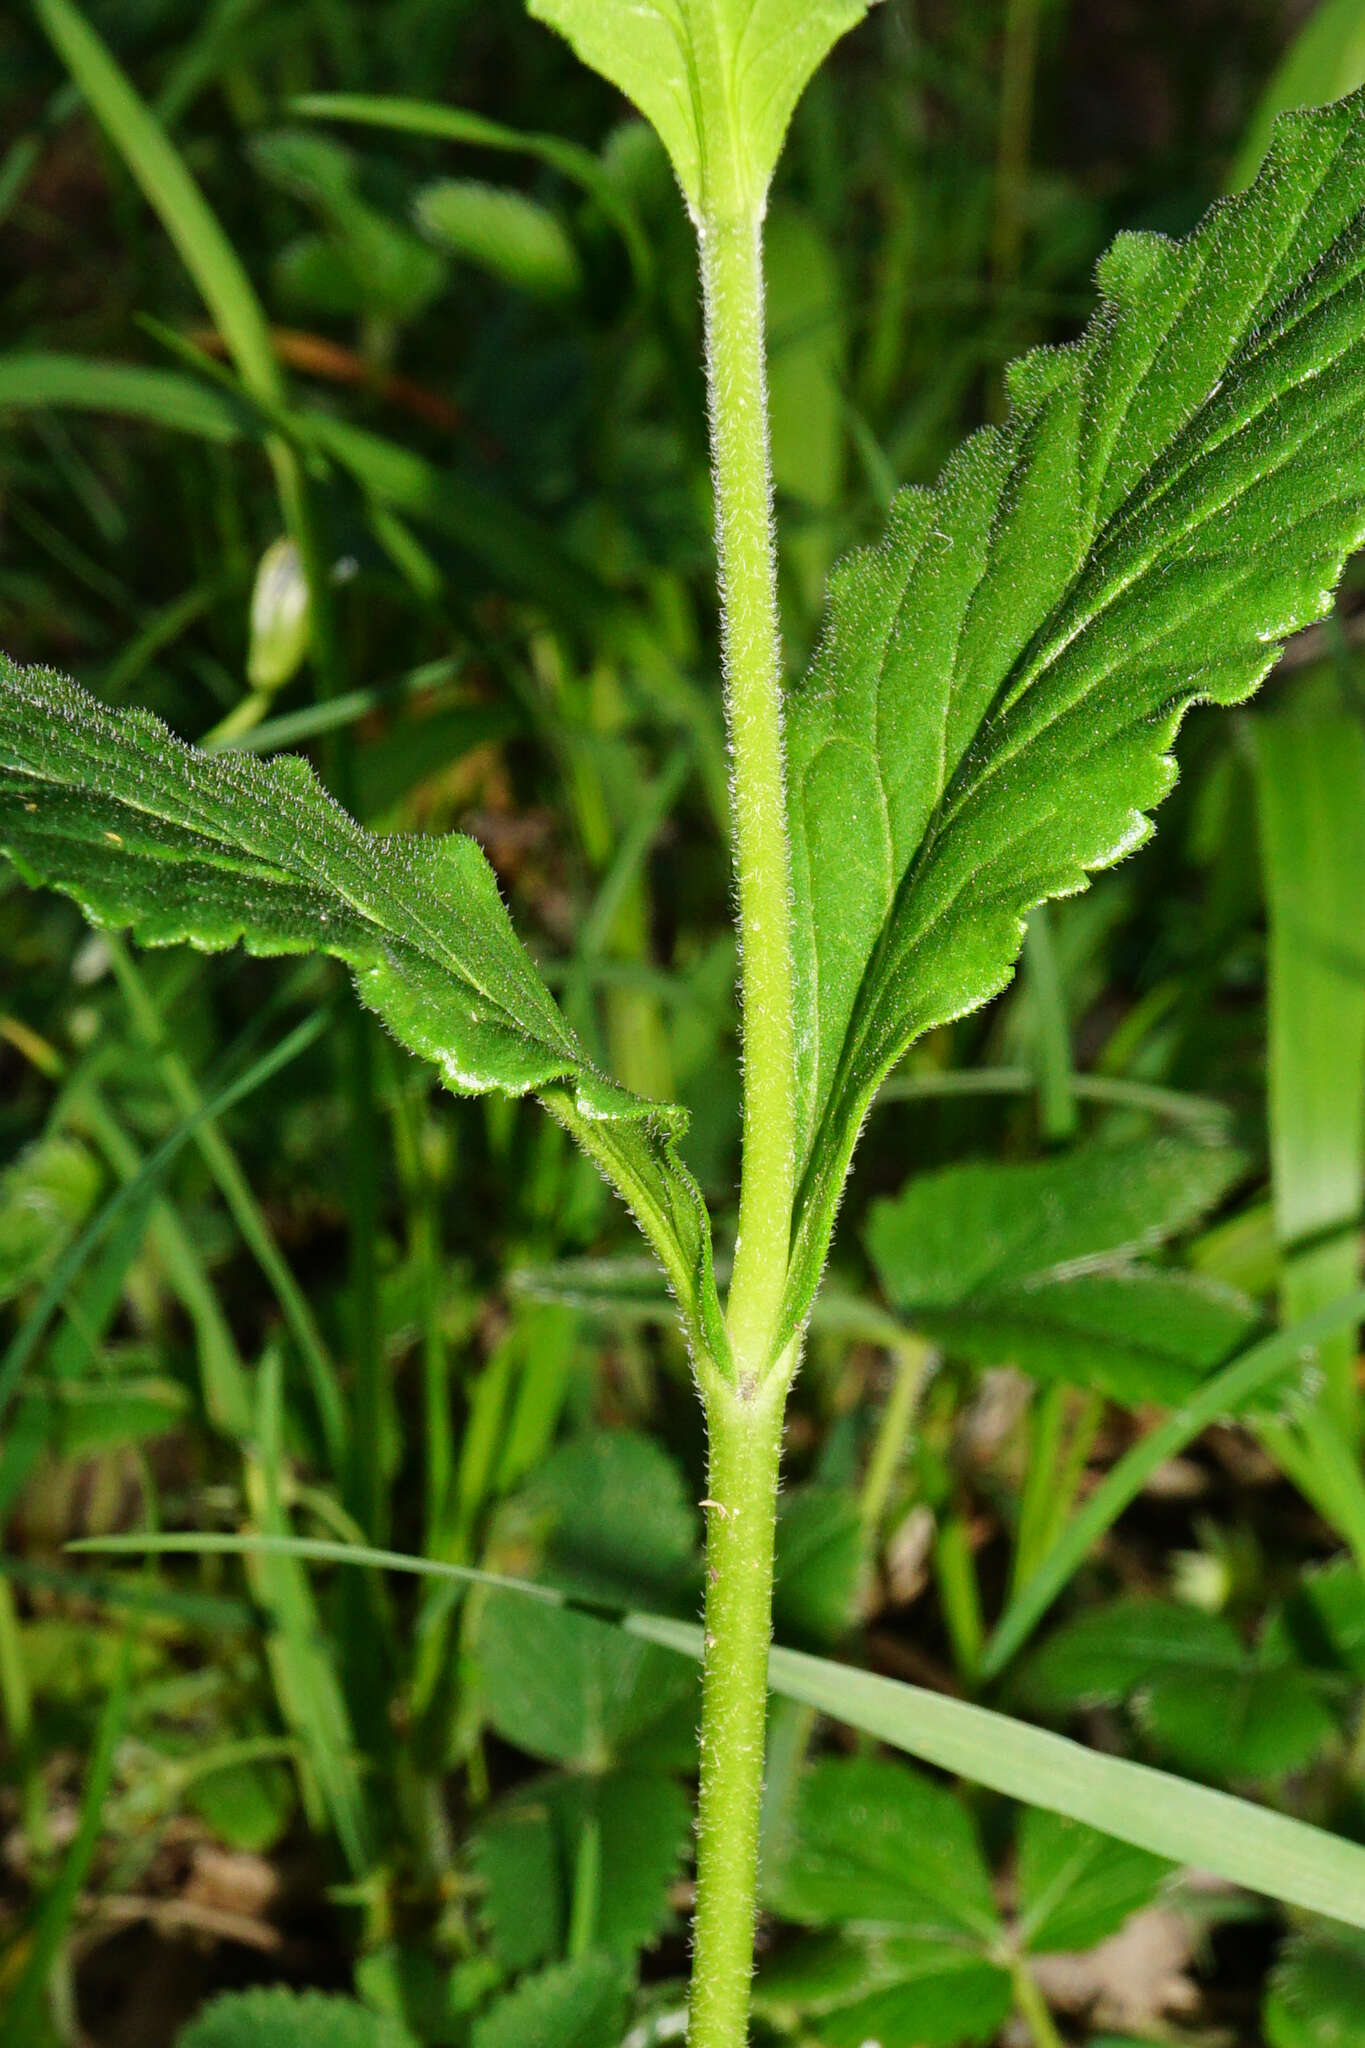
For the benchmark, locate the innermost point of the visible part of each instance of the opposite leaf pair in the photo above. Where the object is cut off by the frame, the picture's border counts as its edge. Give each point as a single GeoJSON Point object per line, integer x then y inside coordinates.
{"type": "Point", "coordinates": [987, 721]}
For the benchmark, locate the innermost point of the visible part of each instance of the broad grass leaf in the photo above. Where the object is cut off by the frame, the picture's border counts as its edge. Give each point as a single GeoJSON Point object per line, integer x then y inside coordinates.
{"type": "Point", "coordinates": [717, 79]}
{"type": "Point", "coordinates": [990, 716]}
{"type": "Point", "coordinates": [576, 2005]}
{"type": "Point", "coordinates": [150, 835]}
{"type": "Point", "coordinates": [1317, 1991]}
{"type": "Point", "coordinates": [277, 2018]}
{"type": "Point", "coordinates": [1310, 801]}
{"type": "Point", "coordinates": [1076, 1886]}
{"type": "Point", "coordinates": [1325, 60]}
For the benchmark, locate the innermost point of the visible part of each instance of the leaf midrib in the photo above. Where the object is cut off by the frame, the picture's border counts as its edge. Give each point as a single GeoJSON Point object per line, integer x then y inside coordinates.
{"type": "Point", "coordinates": [218, 856]}
{"type": "Point", "coordinates": [1014, 685]}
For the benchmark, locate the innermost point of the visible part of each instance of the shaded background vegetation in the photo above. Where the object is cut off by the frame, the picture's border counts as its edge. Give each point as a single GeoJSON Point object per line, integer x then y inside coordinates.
{"type": "Point", "coordinates": [305, 1317]}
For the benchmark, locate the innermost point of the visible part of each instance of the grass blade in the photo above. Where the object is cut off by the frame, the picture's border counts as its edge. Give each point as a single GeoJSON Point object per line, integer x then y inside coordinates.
{"type": "Point", "coordinates": [456, 124]}
{"type": "Point", "coordinates": [172, 193]}
{"type": "Point", "coordinates": [164, 398]}
{"type": "Point", "coordinates": [1310, 783]}
{"type": "Point", "coordinates": [21, 2014]}
{"type": "Point", "coordinates": [1190, 1824]}
{"type": "Point", "coordinates": [30, 1333]}
{"type": "Point", "coordinates": [1224, 1394]}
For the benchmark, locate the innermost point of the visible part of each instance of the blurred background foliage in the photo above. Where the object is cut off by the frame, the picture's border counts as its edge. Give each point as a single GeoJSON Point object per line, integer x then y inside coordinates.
{"type": "Point", "coordinates": [258, 1272]}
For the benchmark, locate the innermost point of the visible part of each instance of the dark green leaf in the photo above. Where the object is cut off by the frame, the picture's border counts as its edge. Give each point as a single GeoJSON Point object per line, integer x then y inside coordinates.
{"type": "Point", "coordinates": [970, 1230]}
{"type": "Point", "coordinates": [615, 1516]}
{"type": "Point", "coordinates": [1031, 1265]}
{"type": "Point", "coordinates": [1219, 1709]}
{"type": "Point", "coordinates": [578, 2005]}
{"type": "Point", "coordinates": [1317, 1992]}
{"type": "Point", "coordinates": [821, 1548]}
{"type": "Point", "coordinates": [876, 1841]}
{"type": "Point", "coordinates": [854, 1988]}
{"type": "Point", "coordinates": [146, 833]}
{"type": "Point", "coordinates": [570, 1689]}
{"type": "Point", "coordinates": [526, 1854]}
{"type": "Point", "coordinates": [1077, 1887]}
{"type": "Point", "coordinates": [990, 716]}
{"type": "Point", "coordinates": [277, 2018]}
{"type": "Point", "coordinates": [1323, 1625]}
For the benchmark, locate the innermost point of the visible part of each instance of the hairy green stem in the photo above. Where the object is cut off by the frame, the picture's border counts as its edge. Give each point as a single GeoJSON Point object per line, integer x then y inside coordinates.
{"type": "Point", "coordinates": [745, 1447]}
{"type": "Point", "coordinates": [732, 282]}
{"type": "Point", "coordinates": [744, 1412]}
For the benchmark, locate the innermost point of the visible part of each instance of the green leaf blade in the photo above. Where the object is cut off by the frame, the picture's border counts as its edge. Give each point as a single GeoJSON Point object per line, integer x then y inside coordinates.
{"type": "Point", "coordinates": [718, 79]}
{"type": "Point", "coordinates": [1033, 1265]}
{"type": "Point", "coordinates": [989, 718]}
{"type": "Point", "coordinates": [148, 835]}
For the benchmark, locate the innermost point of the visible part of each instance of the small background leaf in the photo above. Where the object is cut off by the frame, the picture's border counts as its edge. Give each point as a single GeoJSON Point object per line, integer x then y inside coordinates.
{"type": "Point", "coordinates": [1077, 1887]}
{"type": "Point", "coordinates": [277, 2018]}
{"type": "Point", "coordinates": [578, 2005]}
{"type": "Point", "coordinates": [1317, 1992]}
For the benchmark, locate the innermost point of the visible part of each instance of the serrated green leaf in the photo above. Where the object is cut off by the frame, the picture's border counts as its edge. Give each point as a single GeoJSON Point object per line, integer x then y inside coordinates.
{"type": "Point", "coordinates": [718, 79]}
{"type": "Point", "coordinates": [1323, 1625]}
{"type": "Point", "coordinates": [887, 1987]}
{"type": "Point", "coordinates": [577, 2005]}
{"type": "Point", "coordinates": [150, 835]}
{"type": "Point", "coordinates": [971, 1230]}
{"type": "Point", "coordinates": [526, 1855]}
{"type": "Point", "coordinates": [1317, 1992]}
{"type": "Point", "coordinates": [570, 1689]}
{"type": "Point", "coordinates": [1138, 1334]}
{"type": "Point", "coordinates": [276, 2018]}
{"type": "Point", "coordinates": [990, 715]}
{"type": "Point", "coordinates": [1104, 1655]}
{"type": "Point", "coordinates": [1077, 1887]}
{"type": "Point", "coordinates": [876, 1841]}
{"type": "Point", "coordinates": [616, 1517]}
{"type": "Point", "coordinates": [1198, 1693]}
{"type": "Point", "coordinates": [1030, 1265]}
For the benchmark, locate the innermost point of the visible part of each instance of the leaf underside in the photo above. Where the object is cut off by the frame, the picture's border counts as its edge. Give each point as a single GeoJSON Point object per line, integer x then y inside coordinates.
{"type": "Point", "coordinates": [717, 79]}
{"type": "Point", "coordinates": [990, 715]}
{"type": "Point", "coordinates": [150, 835]}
